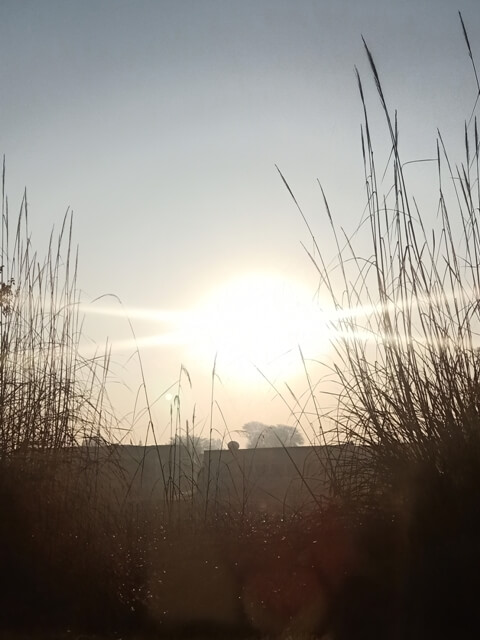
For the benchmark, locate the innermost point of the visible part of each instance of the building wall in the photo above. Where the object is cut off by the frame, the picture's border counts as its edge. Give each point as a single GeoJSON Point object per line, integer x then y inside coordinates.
{"type": "Point", "coordinates": [279, 479]}
{"type": "Point", "coordinates": [119, 475]}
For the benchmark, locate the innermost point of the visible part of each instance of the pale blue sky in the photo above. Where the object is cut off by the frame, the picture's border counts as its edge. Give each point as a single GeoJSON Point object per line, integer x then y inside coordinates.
{"type": "Point", "coordinates": [159, 124]}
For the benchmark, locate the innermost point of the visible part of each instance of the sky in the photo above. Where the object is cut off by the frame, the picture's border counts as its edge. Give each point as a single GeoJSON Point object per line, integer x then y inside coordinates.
{"type": "Point", "coordinates": [160, 125]}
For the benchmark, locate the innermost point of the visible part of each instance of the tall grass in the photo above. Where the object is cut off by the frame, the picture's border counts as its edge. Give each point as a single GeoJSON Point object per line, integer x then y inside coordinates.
{"type": "Point", "coordinates": [407, 363]}
{"type": "Point", "coordinates": [49, 396]}
{"type": "Point", "coordinates": [56, 522]}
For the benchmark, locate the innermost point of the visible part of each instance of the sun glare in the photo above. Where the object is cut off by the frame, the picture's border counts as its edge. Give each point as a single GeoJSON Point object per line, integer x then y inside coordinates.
{"type": "Point", "coordinates": [256, 323]}
{"type": "Point", "coordinates": [253, 325]}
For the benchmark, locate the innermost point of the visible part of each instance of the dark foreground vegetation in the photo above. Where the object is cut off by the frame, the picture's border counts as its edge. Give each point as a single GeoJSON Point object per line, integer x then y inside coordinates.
{"type": "Point", "coordinates": [395, 557]}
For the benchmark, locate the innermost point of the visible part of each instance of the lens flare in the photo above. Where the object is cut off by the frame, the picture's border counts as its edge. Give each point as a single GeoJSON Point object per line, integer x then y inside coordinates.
{"type": "Point", "coordinates": [256, 323]}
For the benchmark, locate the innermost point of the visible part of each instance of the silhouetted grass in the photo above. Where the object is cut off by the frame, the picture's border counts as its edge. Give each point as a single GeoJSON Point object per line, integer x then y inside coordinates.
{"type": "Point", "coordinates": [63, 548]}
{"type": "Point", "coordinates": [408, 370]}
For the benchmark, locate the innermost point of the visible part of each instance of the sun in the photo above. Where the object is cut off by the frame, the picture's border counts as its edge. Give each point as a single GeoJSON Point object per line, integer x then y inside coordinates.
{"type": "Point", "coordinates": [254, 325]}
{"type": "Point", "coordinates": [259, 324]}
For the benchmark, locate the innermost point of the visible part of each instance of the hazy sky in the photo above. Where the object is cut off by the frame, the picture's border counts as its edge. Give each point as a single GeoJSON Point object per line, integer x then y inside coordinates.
{"type": "Point", "coordinates": [160, 124]}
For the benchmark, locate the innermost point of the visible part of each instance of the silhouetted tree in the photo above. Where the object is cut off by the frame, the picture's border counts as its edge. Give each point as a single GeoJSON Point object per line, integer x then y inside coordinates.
{"type": "Point", "coordinates": [196, 444]}
{"type": "Point", "coordinates": [264, 435]}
